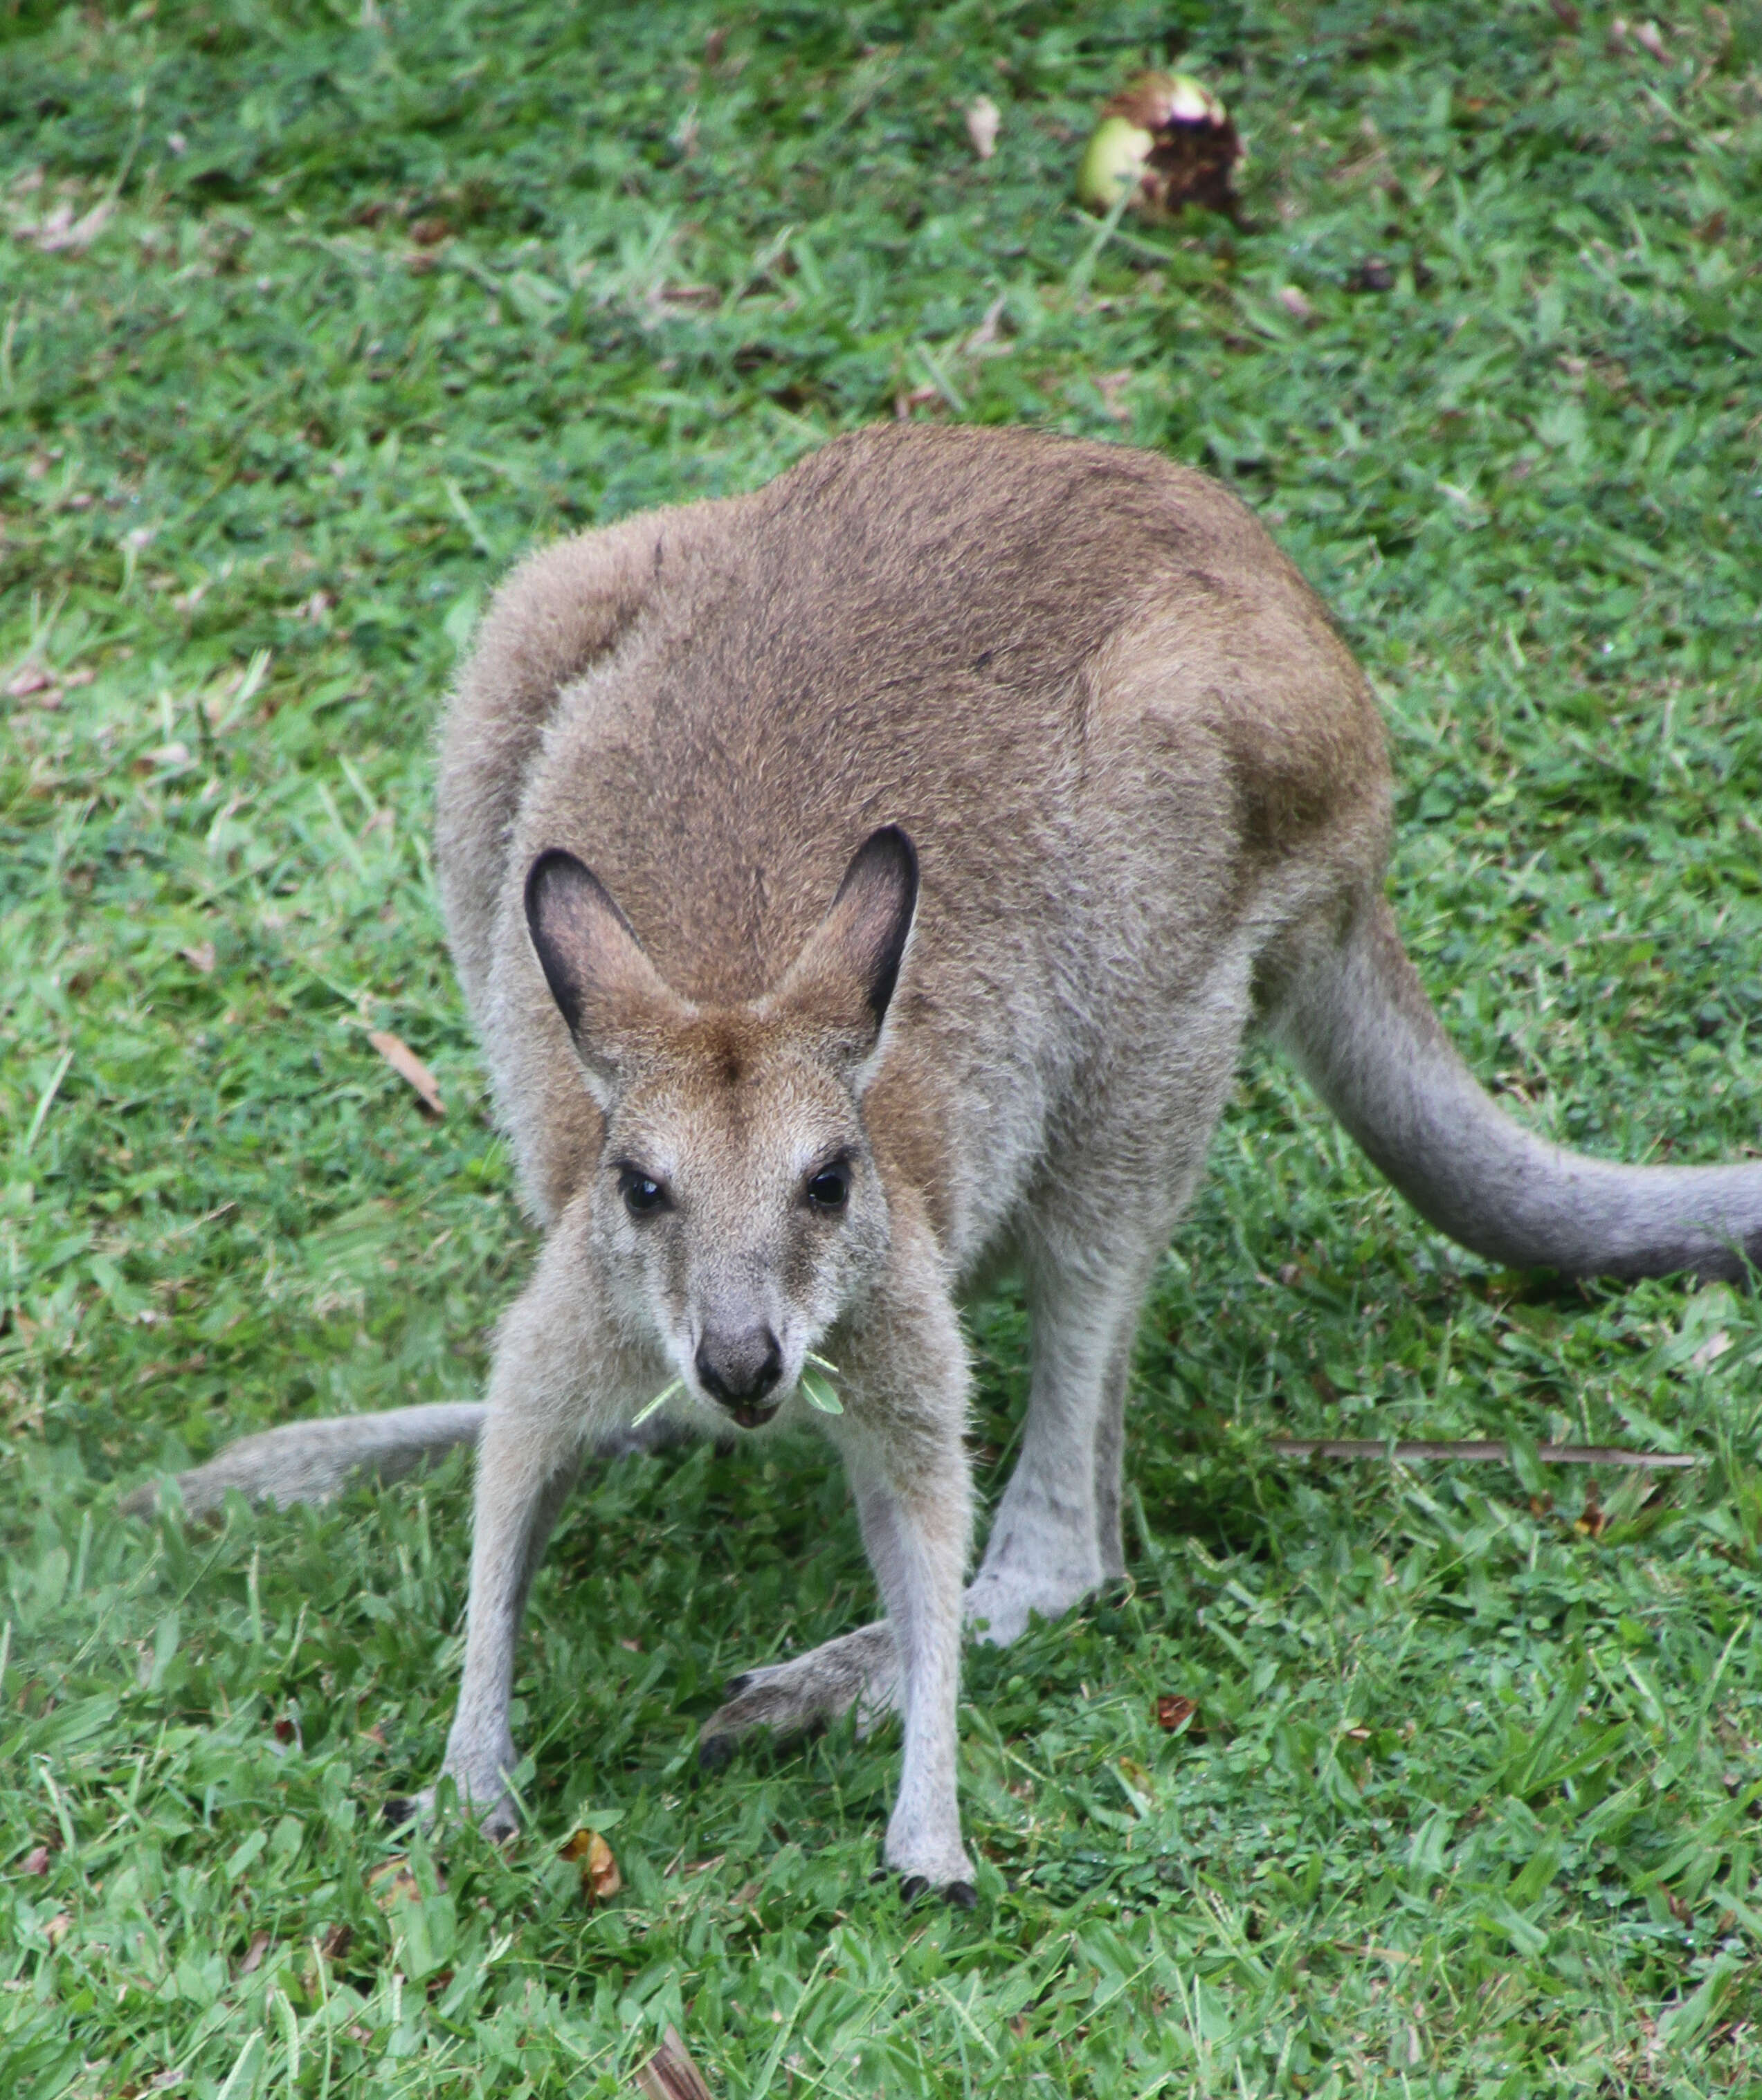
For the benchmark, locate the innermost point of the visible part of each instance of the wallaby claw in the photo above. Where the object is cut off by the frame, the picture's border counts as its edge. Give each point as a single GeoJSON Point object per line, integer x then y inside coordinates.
{"type": "Point", "coordinates": [958, 1896]}
{"type": "Point", "coordinates": [497, 1819]}
{"type": "Point", "coordinates": [713, 1752]}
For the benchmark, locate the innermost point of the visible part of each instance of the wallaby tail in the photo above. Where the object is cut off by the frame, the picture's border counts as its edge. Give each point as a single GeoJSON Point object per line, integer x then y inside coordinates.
{"type": "Point", "coordinates": [311, 1462]}
{"type": "Point", "coordinates": [1355, 1017]}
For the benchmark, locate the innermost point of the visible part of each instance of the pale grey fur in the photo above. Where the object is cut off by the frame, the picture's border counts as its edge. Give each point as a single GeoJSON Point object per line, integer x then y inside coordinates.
{"type": "Point", "coordinates": [1150, 803]}
{"type": "Point", "coordinates": [311, 1462]}
{"type": "Point", "coordinates": [314, 1462]}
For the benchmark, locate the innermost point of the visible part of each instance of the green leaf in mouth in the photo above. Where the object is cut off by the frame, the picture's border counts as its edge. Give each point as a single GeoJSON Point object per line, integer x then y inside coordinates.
{"type": "Point", "coordinates": [660, 1400]}
{"type": "Point", "coordinates": [818, 1389]}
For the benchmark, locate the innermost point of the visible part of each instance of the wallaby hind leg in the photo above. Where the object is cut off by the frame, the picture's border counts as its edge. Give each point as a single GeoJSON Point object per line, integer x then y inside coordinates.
{"type": "Point", "coordinates": [1112, 1198]}
{"type": "Point", "coordinates": [1110, 1457]}
{"type": "Point", "coordinates": [1047, 1549]}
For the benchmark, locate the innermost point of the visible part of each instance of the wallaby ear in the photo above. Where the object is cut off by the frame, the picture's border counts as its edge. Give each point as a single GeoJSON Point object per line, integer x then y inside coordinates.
{"type": "Point", "coordinates": [614, 999]}
{"type": "Point", "coordinates": [842, 980]}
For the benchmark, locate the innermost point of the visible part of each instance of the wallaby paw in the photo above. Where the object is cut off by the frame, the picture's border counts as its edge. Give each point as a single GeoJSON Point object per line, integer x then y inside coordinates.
{"type": "Point", "coordinates": [1000, 1601]}
{"type": "Point", "coordinates": [929, 1863]}
{"type": "Point", "coordinates": [958, 1896]}
{"type": "Point", "coordinates": [789, 1698]}
{"type": "Point", "coordinates": [489, 1806]}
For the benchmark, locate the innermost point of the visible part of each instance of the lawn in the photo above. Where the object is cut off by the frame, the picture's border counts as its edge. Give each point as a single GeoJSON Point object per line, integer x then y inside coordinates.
{"type": "Point", "coordinates": [312, 318]}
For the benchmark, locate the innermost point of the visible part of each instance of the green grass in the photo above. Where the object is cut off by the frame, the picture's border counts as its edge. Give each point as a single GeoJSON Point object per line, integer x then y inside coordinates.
{"type": "Point", "coordinates": [380, 298]}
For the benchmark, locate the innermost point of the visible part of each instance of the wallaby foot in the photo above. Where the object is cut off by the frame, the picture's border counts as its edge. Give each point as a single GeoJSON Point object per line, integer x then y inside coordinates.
{"type": "Point", "coordinates": [943, 1867]}
{"type": "Point", "coordinates": [862, 1668]}
{"type": "Point", "coordinates": [1003, 1595]}
{"type": "Point", "coordinates": [958, 1896]}
{"type": "Point", "coordinates": [859, 1669]}
{"type": "Point", "coordinates": [500, 1819]}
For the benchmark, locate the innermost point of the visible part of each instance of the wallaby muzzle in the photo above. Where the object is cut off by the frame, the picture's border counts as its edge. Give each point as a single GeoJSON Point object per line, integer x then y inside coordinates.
{"type": "Point", "coordinates": [738, 1368]}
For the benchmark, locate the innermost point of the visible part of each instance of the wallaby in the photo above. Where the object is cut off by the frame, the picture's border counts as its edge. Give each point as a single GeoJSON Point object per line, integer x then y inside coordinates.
{"type": "Point", "coordinates": [866, 881]}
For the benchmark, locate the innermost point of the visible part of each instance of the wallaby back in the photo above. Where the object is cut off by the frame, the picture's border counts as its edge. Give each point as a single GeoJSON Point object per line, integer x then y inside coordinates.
{"type": "Point", "coordinates": [1126, 740]}
{"type": "Point", "coordinates": [1115, 721]}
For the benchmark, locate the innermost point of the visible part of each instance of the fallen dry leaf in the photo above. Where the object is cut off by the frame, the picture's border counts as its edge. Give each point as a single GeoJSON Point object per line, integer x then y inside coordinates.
{"type": "Point", "coordinates": [984, 338]}
{"type": "Point", "coordinates": [404, 1061]}
{"type": "Point", "coordinates": [34, 678]}
{"type": "Point", "coordinates": [255, 1953]}
{"type": "Point", "coordinates": [36, 1860]}
{"type": "Point", "coordinates": [983, 117]}
{"type": "Point", "coordinates": [600, 1877]}
{"type": "Point", "coordinates": [1174, 1712]}
{"type": "Point", "coordinates": [1650, 39]}
{"type": "Point", "coordinates": [1111, 386]}
{"type": "Point", "coordinates": [391, 1882]}
{"type": "Point", "coordinates": [200, 957]}
{"type": "Point", "coordinates": [1139, 1781]}
{"type": "Point", "coordinates": [669, 2074]}
{"type": "Point", "coordinates": [62, 230]}
{"type": "Point", "coordinates": [1710, 1350]}
{"type": "Point", "coordinates": [1299, 310]}
{"type": "Point", "coordinates": [57, 1930]}
{"type": "Point", "coordinates": [337, 1941]}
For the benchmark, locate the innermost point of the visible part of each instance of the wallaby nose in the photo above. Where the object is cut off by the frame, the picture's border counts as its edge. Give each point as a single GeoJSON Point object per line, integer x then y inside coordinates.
{"type": "Point", "coordinates": [738, 1369]}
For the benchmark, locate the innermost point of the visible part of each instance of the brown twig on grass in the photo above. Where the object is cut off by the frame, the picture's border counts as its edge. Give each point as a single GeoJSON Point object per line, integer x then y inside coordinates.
{"type": "Point", "coordinates": [1550, 1454]}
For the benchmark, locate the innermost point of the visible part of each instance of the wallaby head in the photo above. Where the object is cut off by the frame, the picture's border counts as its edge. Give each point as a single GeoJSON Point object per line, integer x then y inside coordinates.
{"type": "Point", "coordinates": [736, 1208]}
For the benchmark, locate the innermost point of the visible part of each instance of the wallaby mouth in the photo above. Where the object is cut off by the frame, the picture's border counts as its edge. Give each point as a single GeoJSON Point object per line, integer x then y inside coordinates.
{"type": "Point", "coordinates": [740, 1368]}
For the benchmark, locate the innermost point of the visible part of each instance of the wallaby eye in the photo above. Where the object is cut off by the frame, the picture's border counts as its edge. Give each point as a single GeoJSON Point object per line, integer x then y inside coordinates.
{"type": "Point", "coordinates": [642, 1195]}
{"type": "Point", "coordinates": [830, 1187]}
